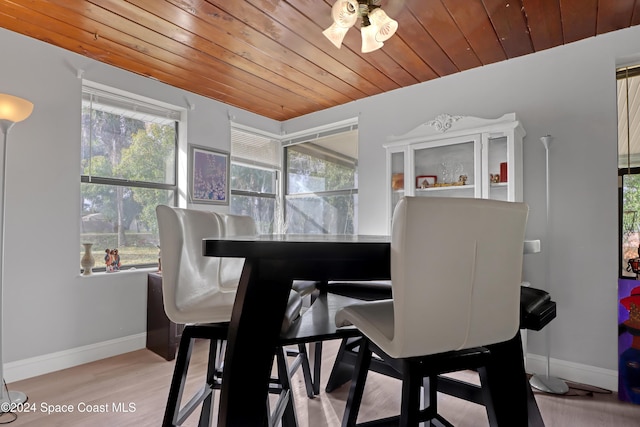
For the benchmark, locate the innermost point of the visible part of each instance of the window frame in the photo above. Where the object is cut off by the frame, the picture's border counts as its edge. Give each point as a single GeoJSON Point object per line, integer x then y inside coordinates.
{"type": "Point", "coordinates": [621, 74]}
{"type": "Point", "coordinates": [178, 119]}
{"type": "Point", "coordinates": [320, 153]}
{"type": "Point", "coordinates": [274, 166]}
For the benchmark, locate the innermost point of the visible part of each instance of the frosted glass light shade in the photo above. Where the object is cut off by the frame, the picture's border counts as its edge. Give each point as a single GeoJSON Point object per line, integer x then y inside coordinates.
{"type": "Point", "coordinates": [369, 41]}
{"type": "Point", "coordinates": [336, 34]}
{"type": "Point", "coordinates": [14, 109]}
{"type": "Point", "coordinates": [386, 26]}
{"type": "Point", "coordinates": [344, 14]}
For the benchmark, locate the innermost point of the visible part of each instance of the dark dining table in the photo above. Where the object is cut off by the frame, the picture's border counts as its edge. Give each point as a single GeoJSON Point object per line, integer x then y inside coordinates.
{"type": "Point", "coordinates": [272, 263]}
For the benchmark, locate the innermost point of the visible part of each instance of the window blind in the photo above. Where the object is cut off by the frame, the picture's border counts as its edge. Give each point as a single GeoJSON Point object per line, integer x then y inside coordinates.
{"type": "Point", "coordinates": [121, 105]}
{"type": "Point", "coordinates": [254, 149]}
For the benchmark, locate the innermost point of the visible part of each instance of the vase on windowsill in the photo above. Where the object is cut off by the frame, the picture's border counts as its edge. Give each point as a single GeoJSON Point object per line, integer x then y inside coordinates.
{"type": "Point", "coordinates": [87, 261]}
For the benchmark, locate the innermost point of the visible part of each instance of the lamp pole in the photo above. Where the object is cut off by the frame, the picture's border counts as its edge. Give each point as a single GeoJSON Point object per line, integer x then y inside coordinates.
{"type": "Point", "coordinates": [547, 383]}
{"type": "Point", "coordinates": [12, 110]}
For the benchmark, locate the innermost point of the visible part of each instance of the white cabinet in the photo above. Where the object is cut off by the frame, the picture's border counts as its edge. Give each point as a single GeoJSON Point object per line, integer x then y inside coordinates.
{"type": "Point", "coordinates": [457, 156]}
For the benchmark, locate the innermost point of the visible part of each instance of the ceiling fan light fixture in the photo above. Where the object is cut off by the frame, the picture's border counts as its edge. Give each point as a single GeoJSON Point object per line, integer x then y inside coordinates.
{"type": "Point", "coordinates": [369, 40]}
{"type": "Point", "coordinates": [386, 26]}
{"type": "Point", "coordinates": [376, 28]}
{"type": "Point", "coordinates": [344, 14]}
{"type": "Point", "coordinates": [335, 34]}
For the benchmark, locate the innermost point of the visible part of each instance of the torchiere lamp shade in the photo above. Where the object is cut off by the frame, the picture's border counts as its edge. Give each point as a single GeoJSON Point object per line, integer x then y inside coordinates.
{"type": "Point", "coordinates": [14, 109]}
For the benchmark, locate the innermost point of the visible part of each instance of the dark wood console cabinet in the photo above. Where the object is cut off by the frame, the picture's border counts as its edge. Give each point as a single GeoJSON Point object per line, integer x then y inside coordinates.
{"type": "Point", "coordinates": [163, 336]}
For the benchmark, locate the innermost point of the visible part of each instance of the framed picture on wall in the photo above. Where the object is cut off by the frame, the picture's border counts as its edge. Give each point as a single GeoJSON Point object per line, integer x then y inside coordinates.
{"type": "Point", "coordinates": [208, 175]}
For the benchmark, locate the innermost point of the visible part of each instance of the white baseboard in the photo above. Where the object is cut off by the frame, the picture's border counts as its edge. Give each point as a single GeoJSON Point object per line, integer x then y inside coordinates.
{"type": "Point", "coordinates": [40, 365]}
{"type": "Point", "coordinates": [574, 372]}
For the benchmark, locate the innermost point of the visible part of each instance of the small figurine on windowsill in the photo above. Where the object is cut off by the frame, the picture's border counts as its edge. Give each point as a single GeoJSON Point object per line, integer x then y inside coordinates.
{"type": "Point", "coordinates": [463, 179]}
{"type": "Point", "coordinates": [112, 260]}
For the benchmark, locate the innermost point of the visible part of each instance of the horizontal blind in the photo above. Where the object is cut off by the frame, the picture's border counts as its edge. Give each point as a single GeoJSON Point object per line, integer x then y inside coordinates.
{"type": "Point", "coordinates": [628, 117]}
{"type": "Point", "coordinates": [120, 105]}
{"type": "Point", "coordinates": [254, 149]}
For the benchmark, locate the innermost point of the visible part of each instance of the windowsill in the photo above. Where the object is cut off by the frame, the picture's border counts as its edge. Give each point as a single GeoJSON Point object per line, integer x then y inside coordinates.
{"type": "Point", "coordinates": [127, 271]}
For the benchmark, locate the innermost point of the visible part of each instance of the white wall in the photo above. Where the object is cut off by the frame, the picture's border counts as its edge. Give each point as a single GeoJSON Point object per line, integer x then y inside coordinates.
{"type": "Point", "coordinates": [48, 308]}
{"type": "Point", "coordinates": [568, 92]}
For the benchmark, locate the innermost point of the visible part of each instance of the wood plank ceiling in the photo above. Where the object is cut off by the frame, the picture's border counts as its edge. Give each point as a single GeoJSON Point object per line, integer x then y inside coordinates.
{"type": "Point", "coordinates": [270, 57]}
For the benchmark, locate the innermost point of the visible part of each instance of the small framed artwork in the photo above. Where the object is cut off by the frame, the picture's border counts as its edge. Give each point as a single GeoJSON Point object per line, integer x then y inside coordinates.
{"type": "Point", "coordinates": [425, 181]}
{"type": "Point", "coordinates": [208, 175]}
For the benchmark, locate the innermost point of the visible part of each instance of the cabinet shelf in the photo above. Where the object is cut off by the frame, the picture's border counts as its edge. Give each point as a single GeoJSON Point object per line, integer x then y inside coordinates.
{"type": "Point", "coordinates": [446, 188]}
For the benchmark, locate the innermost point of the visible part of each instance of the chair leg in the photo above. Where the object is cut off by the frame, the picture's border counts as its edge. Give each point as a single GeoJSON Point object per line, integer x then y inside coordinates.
{"type": "Point", "coordinates": [206, 413]}
{"type": "Point", "coordinates": [342, 372]}
{"type": "Point", "coordinates": [411, 385]}
{"type": "Point", "coordinates": [316, 361]}
{"type": "Point", "coordinates": [306, 370]}
{"type": "Point", "coordinates": [178, 380]}
{"type": "Point", "coordinates": [356, 391]}
{"type": "Point", "coordinates": [430, 411]}
{"type": "Point", "coordinates": [285, 409]}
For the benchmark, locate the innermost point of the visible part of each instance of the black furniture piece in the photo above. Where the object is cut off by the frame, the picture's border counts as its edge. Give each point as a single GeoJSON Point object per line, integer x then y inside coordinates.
{"type": "Point", "coordinates": [271, 265]}
{"type": "Point", "coordinates": [163, 336]}
{"type": "Point", "coordinates": [536, 311]}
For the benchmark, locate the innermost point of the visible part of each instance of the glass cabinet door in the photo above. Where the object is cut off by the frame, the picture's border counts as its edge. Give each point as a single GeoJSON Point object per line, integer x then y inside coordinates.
{"type": "Point", "coordinates": [397, 169]}
{"type": "Point", "coordinates": [497, 170]}
{"type": "Point", "coordinates": [448, 169]}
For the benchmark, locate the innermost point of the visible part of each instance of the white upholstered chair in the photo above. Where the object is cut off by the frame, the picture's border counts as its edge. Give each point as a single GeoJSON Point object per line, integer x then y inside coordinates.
{"type": "Point", "coordinates": [456, 268]}
{"type": "Point", "coordinates": [199, 292]}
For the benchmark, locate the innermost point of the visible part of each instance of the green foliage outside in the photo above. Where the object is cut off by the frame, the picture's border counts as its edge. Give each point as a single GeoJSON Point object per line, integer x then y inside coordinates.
{"type": "Point", "coordinates": [122, 148]}
{"type": "Point", "coordinates": [318, 212]}
{"type": "Point", "coordinates": [630, 218]}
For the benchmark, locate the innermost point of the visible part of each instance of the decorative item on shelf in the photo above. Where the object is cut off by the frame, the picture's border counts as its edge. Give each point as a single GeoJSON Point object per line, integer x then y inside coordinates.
{"type": "Point", "coordinates": [451, 170]}
{"type": "Point", "coordinates": [397, 181]}
{"type": "Point", "coordinates": [112, 260]}
{"type": "Point", "coordinates": [494, 178]}
{"type": "Point", "coordinates": [426, 181]}
{"type": "Point", "coordinates": [463, 179]}
{"type": "Point", "coordinates": [503, 172]}
{"type": "Point", "coordinates": [88, 261]}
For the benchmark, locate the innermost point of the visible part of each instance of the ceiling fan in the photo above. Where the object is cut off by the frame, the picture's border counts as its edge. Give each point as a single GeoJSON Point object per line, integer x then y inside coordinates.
{"type": "Point", "coordinates": [376, 28]}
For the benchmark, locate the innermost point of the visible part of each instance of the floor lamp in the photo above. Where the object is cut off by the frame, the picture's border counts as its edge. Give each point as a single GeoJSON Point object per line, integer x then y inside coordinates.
{"type": "Point", "coordinates": [547, 383]}
{"type": "Point", "coordinates": [12, 110]}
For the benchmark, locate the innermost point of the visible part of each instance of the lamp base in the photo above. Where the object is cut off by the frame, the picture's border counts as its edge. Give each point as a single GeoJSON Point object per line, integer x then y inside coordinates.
{"type": "Point", "coordinates": [14, 398]}
{"type": "Point", "coordinates": [549, 384]}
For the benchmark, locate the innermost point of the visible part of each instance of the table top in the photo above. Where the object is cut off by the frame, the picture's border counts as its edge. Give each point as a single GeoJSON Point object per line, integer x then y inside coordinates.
{"type": "Point", "coordinates": [319, 246]}
{"type": "Point", "coordinates": [322, 245]}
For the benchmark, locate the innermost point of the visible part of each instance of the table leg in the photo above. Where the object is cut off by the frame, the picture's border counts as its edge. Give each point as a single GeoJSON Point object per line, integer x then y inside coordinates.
{"type": "Point", "coordinates": [253, 336]}
{"type": "Point", "coordinates": [507, 382]}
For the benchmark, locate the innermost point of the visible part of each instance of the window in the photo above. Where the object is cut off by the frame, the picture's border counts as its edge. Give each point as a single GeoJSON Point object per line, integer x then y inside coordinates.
{"type": "Point", "coordinates": [255, 167]}
{"type": "Point", "coordinates": [628, 166]}
{"type": "Point", "coordinates": [322, 183]}
{"type": "Point", "coordinates": [128, 167]}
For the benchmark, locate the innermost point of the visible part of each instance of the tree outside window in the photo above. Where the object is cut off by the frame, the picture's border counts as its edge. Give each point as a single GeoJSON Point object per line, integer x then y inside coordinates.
{"type": "Point", "coordinates": [128, 167]}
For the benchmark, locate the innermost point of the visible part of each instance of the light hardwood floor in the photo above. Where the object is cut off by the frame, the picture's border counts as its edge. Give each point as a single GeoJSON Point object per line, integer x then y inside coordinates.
{"type": "Point", "coordinates": [138, 382]}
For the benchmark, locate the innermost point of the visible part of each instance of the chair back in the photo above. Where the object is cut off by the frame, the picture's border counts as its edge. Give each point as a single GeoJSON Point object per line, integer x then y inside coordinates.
{"type": "Point", "coordinates": [231, 268]}
{"type": "Point", "coordinates": [190, 281]}
{"type": "Point", "coordinates": [456, 267]}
